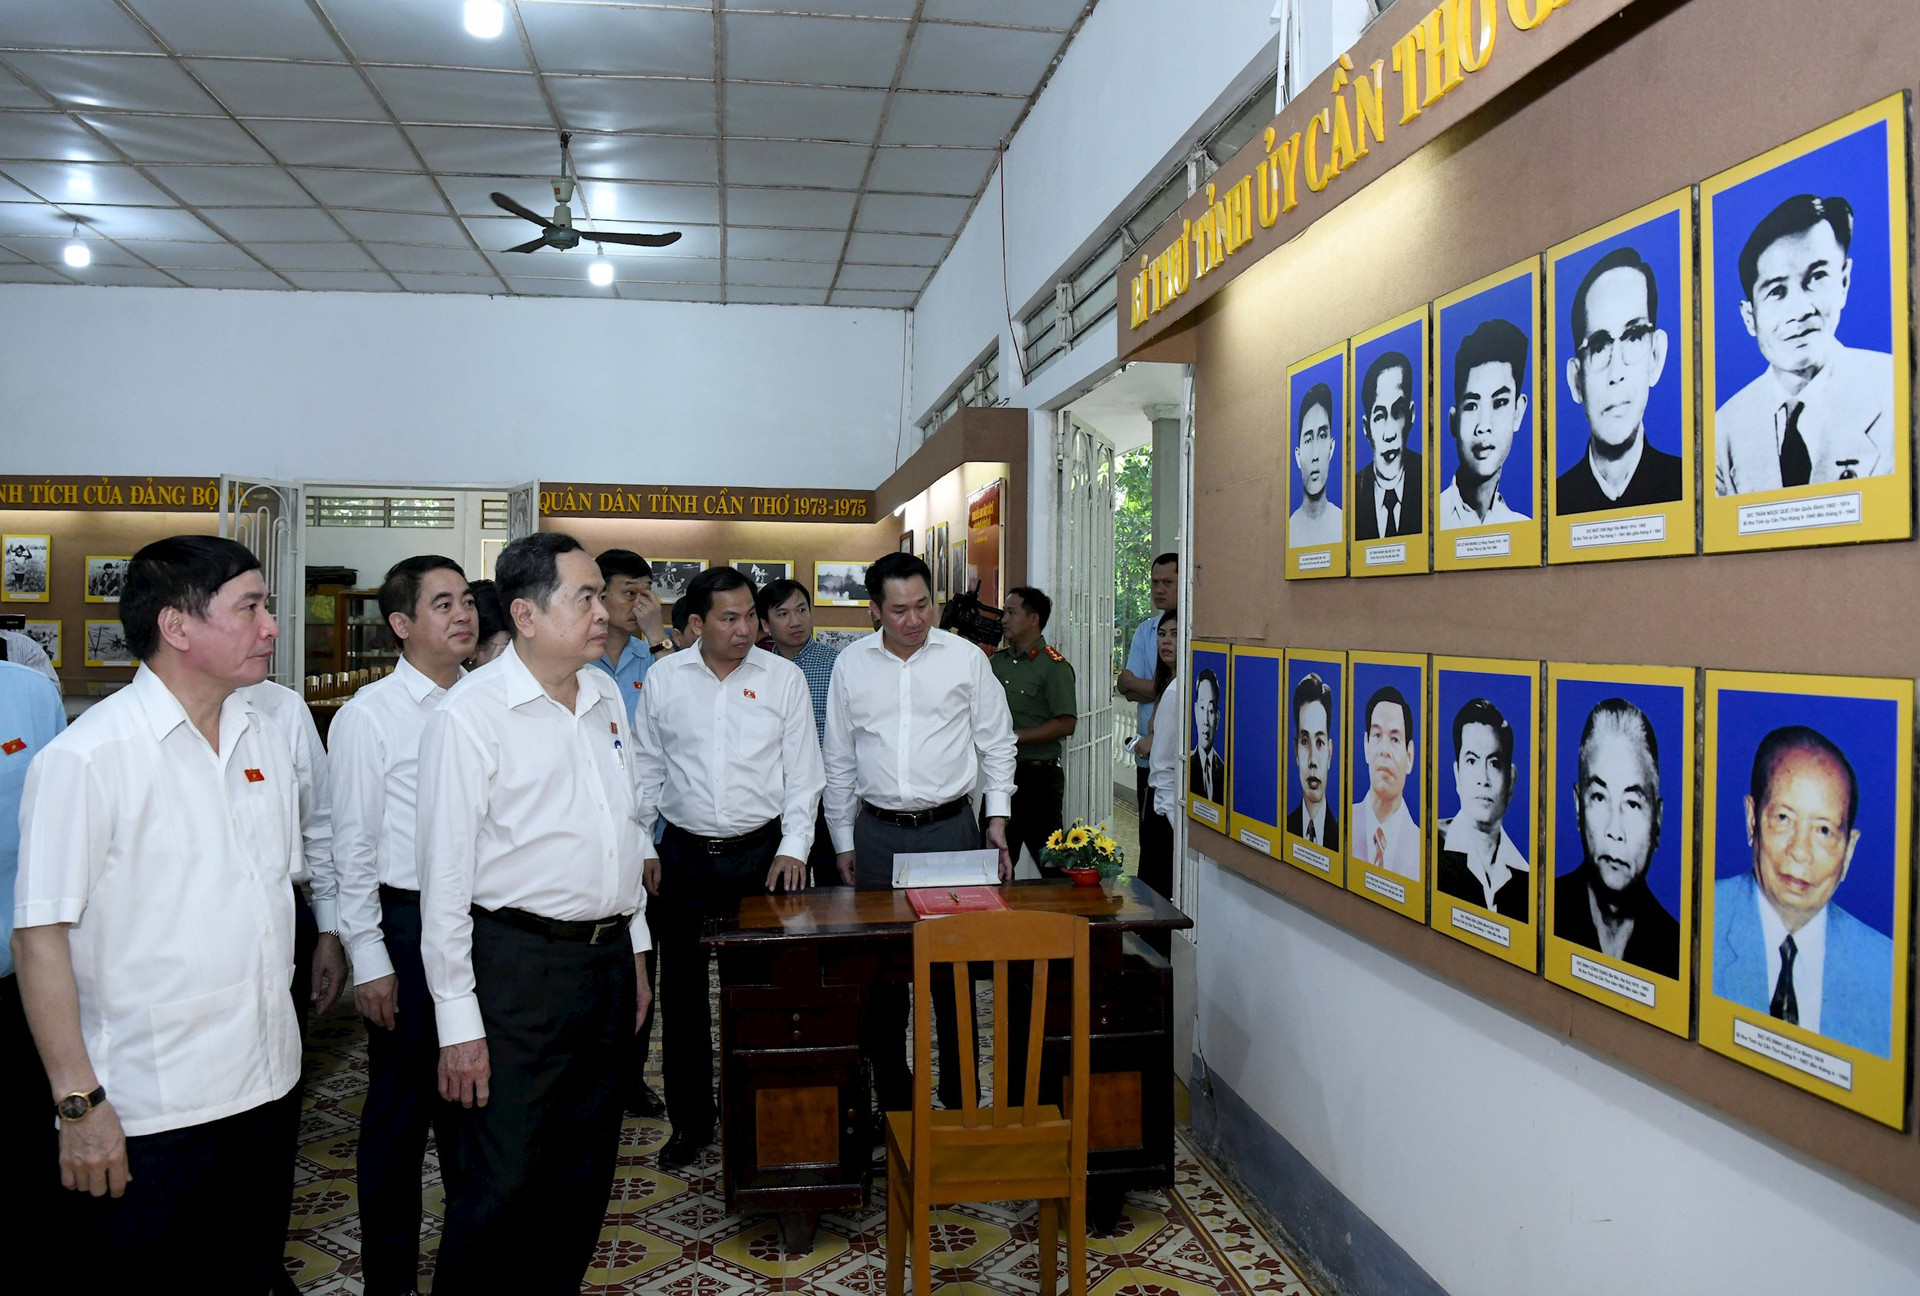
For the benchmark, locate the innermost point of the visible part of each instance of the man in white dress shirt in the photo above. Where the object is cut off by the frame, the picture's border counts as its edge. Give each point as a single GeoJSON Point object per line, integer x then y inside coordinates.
{"type": "Point", "coordinates": [914, 717]}
{"type": "Point", "coordinates": [531, 908]}
{"type": "Point", "coordinates": [1384, 833]}
{"type": "Point", "coordinates": [727, 759]}
{"type": "Point", "coordinates": [375, 768]}
{"type": "Point", "coordinates": [154, 940]}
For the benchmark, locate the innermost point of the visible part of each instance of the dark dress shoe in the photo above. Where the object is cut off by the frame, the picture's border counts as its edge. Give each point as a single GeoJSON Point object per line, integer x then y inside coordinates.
{"type": "Point", "coordinates": [643, 1101]}
{"type": "Point", "coordinates": [683, 1149]}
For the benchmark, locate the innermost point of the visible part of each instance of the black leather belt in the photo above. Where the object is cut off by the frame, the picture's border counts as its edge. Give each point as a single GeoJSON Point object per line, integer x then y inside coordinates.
{"type": "Point", "coordinates": [581, 932]}
{"type": "Point", "coordinates": [916, 818]}
{"type": "Point", "coordinates": [398, 895]}
{"type": "Point", "coordinates": [1050, 762]}
{"type": "Point", "coordinates": [724, 845]}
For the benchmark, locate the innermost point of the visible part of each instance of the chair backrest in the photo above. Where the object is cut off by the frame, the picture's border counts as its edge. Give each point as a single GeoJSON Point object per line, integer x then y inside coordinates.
{"type": "Point", "coordinates": [1002, 938]}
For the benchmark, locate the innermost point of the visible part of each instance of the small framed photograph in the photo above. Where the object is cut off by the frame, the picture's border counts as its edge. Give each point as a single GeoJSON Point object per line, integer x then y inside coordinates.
{"type": "Point", "coordinates": [106, 576]}
{"type": "Point", "coordinates": [1486, 342]}
{"type": "Point", "coordinates": [25, 561]}
{"type": "Point", "coordinates": [1207, 734]}
{"type": "Point", "coordinates": [764, 571]}
{"type": "Point", "coordinates": [107, 644]}
{"type": "Point", "coordinates": [1386, 855]}
{"type": "Point", "coordinates": [670, 576]}
{"type": "Point", "coordinates": [1388, 492]}
{"type": "Point", "coordinates": [840, 584]}
{"type": "Point", "coordinates": [838, 638]}
{"type": "Point", "coordinates": [1316, 543]}
{"type": "Point", "coordinates": [47, 635]}
{"type": "Point", "coordinates": [906, 541]}
{"type": "Point", "coordinates": [1313, 732]}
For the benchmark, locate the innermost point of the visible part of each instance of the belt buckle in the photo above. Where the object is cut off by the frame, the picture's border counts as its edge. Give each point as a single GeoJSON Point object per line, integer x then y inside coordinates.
{"type": "Point", "coordinates": [601, 930]}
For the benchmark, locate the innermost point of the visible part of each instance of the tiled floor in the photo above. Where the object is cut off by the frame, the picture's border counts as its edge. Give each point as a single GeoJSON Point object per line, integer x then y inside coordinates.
{"type": "Point", "coordinates": [671, 1234]}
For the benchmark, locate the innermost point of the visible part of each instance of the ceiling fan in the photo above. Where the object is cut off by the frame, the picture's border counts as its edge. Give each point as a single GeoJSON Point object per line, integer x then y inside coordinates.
{"type": "Point", "coordinates": [559, 232]}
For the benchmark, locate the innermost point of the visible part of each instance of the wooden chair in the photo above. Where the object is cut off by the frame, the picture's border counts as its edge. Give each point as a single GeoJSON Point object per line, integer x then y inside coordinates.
{"type": "Point", "coordinates": [1004, 1152]}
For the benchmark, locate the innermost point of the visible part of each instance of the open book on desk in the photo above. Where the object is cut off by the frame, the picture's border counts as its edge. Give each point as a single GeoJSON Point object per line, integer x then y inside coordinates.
{"type": "Point", "coordinates": [914, 869]}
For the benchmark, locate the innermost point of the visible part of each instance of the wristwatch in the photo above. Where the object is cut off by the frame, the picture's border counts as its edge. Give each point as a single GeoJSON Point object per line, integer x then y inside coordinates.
{"type": "Point", "coordinates": [665, 645]}
{"type": "Point", "coordinates": [77, 1106]}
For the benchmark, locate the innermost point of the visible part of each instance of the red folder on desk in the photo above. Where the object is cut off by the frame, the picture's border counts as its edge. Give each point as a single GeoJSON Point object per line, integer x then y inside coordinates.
{"type": "Point", "coordinates": [938, 902]}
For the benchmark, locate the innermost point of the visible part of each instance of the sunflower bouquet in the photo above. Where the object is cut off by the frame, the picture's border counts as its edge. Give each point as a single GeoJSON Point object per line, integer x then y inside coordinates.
{"type": "Point", "coordinates": [1083, 847]}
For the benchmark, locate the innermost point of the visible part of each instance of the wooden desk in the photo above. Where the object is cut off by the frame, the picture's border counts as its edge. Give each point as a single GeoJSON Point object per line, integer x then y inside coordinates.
{"type": "Point", "coordinates": [793, 976]}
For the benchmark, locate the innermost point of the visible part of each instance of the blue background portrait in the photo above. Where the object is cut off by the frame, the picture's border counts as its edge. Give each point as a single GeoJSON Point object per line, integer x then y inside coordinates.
{"type": "Point", "coordinates": [1333, 672]}
{"type": "Point", "coordinates": [1409, 340]}
{"type": "Point", "coordinates": [1333, 372]}
{"type": "Point", "coordinates": [1658, 243]}
{"type": "Point", "coordinates": [1368, 676]}
{"type": "Point", "coordinates": [1511, 301]}
{"type": "Point", "coordinates": [1513, 696]}
{"type": "Point", "coordinates": [1256, 737]}
{"type": "Point", "coordinates": [1853, 167]}
{"type": "Point", "coordinates": [1205, 659]}
{"type": "Point", "coordinates": [1666, 706]}
{"type": "Point", "coordinates": [1866, 729]}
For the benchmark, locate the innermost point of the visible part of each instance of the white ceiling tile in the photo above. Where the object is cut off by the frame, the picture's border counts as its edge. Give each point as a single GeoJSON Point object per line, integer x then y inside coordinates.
{"type": "Point", "coordinates": [9, 257]}
{"type": "Point", "coordinates": [812, 51]}
{"type": "Point", "coordinates": [279, 224]}
{"type": "Point", "coordinates": [798, 208]}
{"type": "Point", "coordinates": [192, 256]}
{"type": "Point", "coordinates": [170, 224]}
{"type": "Point", "coordinates": [656, 267]}
{"type": "Point", "coordinates": [395, 227]}
{"type": "Point", "coordinates": [288, 89]}
{"type": "Point", "coordinates": [109, 276]}
{"type": "Point", "coordinates": [11, 192]}
{"type": "Point", "coordinates": [488, 151]}
{"type": "Point", "coordinates": [341, 281]}
{"type": "Point", "coordinates": [900, 278]}
{"type": "Point", "coordinates": [927, 118]}
{"type": "Point", "coordinates": [671, 204]}
{"type": "Point", "coordinates": [177, 139]}
{"type": "Point", "coordinates": [462, 98]}
{"type": "Point", "coordinates": [470, 196]}
{"type": "Point", "coordinates": [1057, 14]}
{"type": "Point", "coordinates": [232, 279]}
{"type": "Point", "coordinates": [911, 213]}
{"type": "Point", "coordinates": [649, 42]}
{"type": "Point", "coordinates": [682, 158]}
{"type": "Point", "coordinates": [768, 162]}
{"type": "Point", "coordinates": [313, 256]}
{"type": "Point", "coordinates": [460, 283]}
{"type": "Point", "coordinates": [779, 274]}
{"type": "Point", "coordinates": [872, 8]}
{"type": "Point", "coordinates": [896, 249]}
{"type": "Point", "coordinates": [30, 274]}
{"type": "Point", "coordinates": [785, 245]}
{"type": "Point", "coordinates": [72, 24]}
{"type": "Point", "coordinates": [237, 186]}
{"type": "Point", "coordinates": [385, 190]}
{"type": "Point", "coordinates": [427, 260]}
{"type": "Point", "coordinates": [47, 250]}
{"type": "Point", "coordinates": [123, 82]}
{"type": "Point", "coordinates": [87, 182]}
{"type": "Point", "coordinates": [931, 170]}
{"type": "Point", "coordinates": [668, 292]}
{"type": "Point", "coordinates": [992, 59]}
{"type": "Point", "coordinates": [50, 135]}
{"type": "Point", "coordinates": [390, 31]}
{"type": "Point", "coordinates": [617, 104]}
{"type": "Point", "coordinates": [261, 28]}
{"type": "Point", "coordinates": [299, 143]}
{"type": "Point", "coordinates": [887, 300]}
{"type": "Point", "coordinates": [778, 296]}
{"type": "Point", "coordinates": [569, 287]}
{"type": "Point", "coordinates": [696, 241]}
{"type": "Point", "coordinates": [14, 93]}
{"type": "Point", "coordinates": [34, 219]}
{"type": "Point", "coordinates": [804, 112]}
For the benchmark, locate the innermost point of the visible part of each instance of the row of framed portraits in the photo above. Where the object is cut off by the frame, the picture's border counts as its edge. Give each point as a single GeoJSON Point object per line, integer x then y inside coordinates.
{"type": "Point", "coordinates": [103, 642]}
{"type": "Point", "coordinates": [1545, 814]}
{"type": "Point", "coordinates": [26, 572]}
{"type": "Point", "coordinates": [1552, 405]}
{"type": "Point", "coordinates": [835, 583]}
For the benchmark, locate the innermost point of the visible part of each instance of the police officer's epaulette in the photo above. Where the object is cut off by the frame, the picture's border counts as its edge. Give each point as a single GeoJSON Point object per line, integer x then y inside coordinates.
{"type": "Point", "coordinates": [1054, 653]}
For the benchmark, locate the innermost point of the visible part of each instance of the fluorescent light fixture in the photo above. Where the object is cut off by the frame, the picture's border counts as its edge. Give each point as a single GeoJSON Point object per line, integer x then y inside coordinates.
{"type": "Point", "coordinates": [78, 255]}
{"type": "Point", "coordinates": [485, 18]}
{"type": "Point", "coordinates": [600, 273]}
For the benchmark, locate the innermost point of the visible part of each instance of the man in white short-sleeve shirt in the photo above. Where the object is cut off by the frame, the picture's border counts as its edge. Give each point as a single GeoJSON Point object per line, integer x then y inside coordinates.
{"type": "Point", "coordinates": [533, 929]}
{"type": "Point", "coordinates": [154, 915]}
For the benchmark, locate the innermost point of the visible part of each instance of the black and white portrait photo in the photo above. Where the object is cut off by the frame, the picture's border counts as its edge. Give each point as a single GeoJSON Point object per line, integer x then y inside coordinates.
{"type": "Point", "coordinates": [47, 635]}
{"type": "Point", "coordinates": [670, 576]}
{"type": "Point", "coordinates": [107, 645]}
{"type": "Point", "coordinates": [838, 638]}
{"type": "Point", "coordinates": [840, 584]}
{"type": "Point", "coordinates": [105, 577]}
{"type": "Point", "coordinates": [761, 571]}
{"type": "Point", "coordinates": [24, 564]}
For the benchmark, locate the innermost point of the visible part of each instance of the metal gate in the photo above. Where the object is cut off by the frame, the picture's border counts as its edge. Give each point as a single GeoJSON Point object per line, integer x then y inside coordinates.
{"type": "Point", "coordinates": [265, 516]}
{"type": "Point", "coordinates": [1082, 623]}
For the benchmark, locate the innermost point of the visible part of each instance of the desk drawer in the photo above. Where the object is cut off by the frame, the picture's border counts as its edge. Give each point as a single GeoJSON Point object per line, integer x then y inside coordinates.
{"type": "Point", "coordinates": [802, 1026]}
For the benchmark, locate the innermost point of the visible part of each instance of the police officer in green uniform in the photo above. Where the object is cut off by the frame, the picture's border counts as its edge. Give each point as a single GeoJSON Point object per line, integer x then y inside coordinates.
{"type": "Point", "coordinates": [1045, 707]}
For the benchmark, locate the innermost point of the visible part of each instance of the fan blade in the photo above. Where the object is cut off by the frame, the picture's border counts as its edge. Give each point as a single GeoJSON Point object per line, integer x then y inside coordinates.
{"type": "Point", "coordinates": [505, 203]}
{"type": "Point", "coordinates": [632, 240]}
{"type": "Point", "coordinates": [531, 245]}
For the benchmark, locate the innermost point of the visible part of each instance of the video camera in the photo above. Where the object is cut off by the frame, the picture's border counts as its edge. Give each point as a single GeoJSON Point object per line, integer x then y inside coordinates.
{"type": "Point", "coordinates": [974, 621]}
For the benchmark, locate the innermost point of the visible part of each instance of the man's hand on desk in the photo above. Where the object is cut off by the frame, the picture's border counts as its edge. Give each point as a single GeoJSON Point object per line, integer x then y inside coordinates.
{"type": "Point", "coordinates": [787, 874]}
{"type": "Point", "coordinates": [997, 838]}
{"type": "Point", "coordinates": [844, 862]}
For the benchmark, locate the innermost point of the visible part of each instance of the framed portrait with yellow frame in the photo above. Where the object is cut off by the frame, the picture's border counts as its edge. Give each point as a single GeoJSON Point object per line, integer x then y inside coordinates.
{"type": "Point", "coordinates": [1253, 733]}
{"type": "Point", "coordinates": [1386, 741]}
{"type": "Point", "coordinates": [1805, 928]}
{"type": "Point", "coordinates": [1315, 760]}
{"type": "Point", "coordinates": [1208, 743]}
{"type": "Point", "coordinates": [1392, 451]}
{"type": "Point", "coordinates": [1620, 865]}
{"type": "Point", "coordinates": [1316, 458]}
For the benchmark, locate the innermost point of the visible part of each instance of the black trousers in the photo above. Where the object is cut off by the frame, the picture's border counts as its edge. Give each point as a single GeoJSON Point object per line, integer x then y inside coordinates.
{"type": "Point", "coordinates": [823, 862]}
{"type": "Point", "coordinates": [207, 1203]}
{"type": "Point", "coordinates": [403, 1103]}
{"type": "Point", "coordinates": [306, 939]}
{"type": "Point", "coordinates": [883, 1026]}
{"type": "Point", "coordinates": [527, 1186]}
{"type": "Point", "coordinates": [696, 886]}
{"type": "Point", "coordinates": [29, 1143]}
{"type": "Point", "coordinates": [1039, 792]}
{"type": "Point", "coordinates": [1156, 849]}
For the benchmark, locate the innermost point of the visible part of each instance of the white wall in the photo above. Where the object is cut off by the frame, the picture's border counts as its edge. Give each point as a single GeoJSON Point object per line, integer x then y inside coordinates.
{"type": "Point", "coordinates": [444, 388]}
{"type": "Point", "coordinates": [1504, 1160]}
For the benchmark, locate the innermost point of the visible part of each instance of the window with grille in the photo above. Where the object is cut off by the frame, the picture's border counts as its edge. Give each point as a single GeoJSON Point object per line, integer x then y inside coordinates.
{"type": "Point", "coordinates": [379, 511]}
{"type": "Point", "coordinates": [981, 386]}
{"type": "Point", "coordinates": [493, 514]}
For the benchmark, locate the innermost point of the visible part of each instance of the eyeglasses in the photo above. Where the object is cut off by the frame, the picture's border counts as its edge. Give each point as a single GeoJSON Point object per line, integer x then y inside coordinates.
{"type": "Point", "coordinates": [1598, 349]}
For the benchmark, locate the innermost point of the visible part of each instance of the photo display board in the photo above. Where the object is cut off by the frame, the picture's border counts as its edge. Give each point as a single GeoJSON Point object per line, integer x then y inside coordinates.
{"type": "Point", "coordinates": [1484, 763]}
{"type": "Point", "coordinates": [1386, 745]}
{"type": "Point", "coordinates": [1207, 675]}
{"type": "Point", "coordinates": [1387, 495]}
{"type": "Point", "coordinates": [1315, 760]}
{"type": "Point", "coordinates": [1620, 876]}
{"type": "Point", "coordinates": [1254, 742]}
{"type": "Point", "coordinates": [1315, 469]}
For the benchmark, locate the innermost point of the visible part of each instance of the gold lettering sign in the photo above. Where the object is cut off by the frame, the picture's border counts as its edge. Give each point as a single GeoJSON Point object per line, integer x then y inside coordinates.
{"type": "Point", "coordinates": [704, 503]}
{"type": "Point", "coordinates": [111, 494]}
